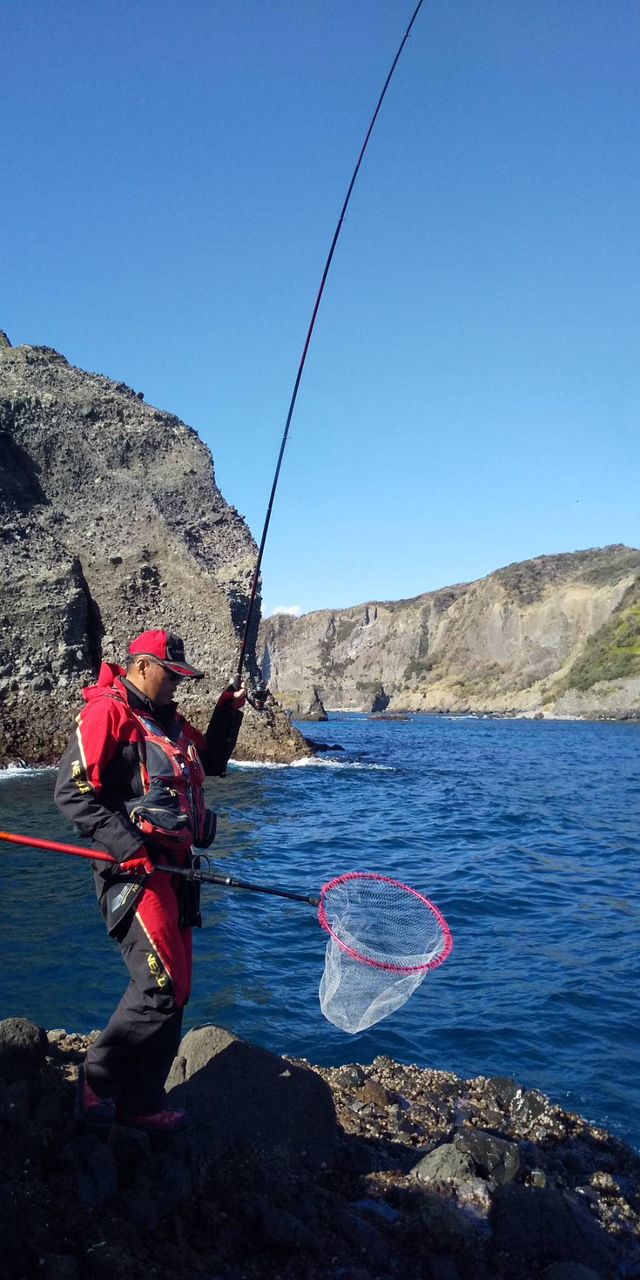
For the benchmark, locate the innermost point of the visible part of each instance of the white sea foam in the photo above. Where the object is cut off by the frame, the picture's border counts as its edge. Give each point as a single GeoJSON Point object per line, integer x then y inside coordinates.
{"type": "Point", "coordinates": [328, 762]}
{"type": "Point", "coordinates": [24, 771]}
{"type": "Point", "coordinates": [312, 762]}
{"type": "Point", "coordinates": [256, 764]}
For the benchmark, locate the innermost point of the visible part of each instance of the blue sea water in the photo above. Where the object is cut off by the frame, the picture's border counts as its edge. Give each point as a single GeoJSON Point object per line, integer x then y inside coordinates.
{"type": "Point", "coordinates": [526, 834]}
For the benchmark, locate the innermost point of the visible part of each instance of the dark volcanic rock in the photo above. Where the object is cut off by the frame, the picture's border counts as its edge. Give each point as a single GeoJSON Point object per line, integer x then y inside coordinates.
{"type": "Point", "coordinates": [494, 1158]}
{"type": "Point", "coordinates": [444, 1164]}
{"type": "Point", "coordinates": [546, 1225]}
{"type": "Point", "coordinates": [380, 701]}
{"type": "Point", "coordinates": [23, 1048]}
{"type": "Point", "coordinates": [266, 1185]}
{"type": "Point", "coordinates": [111, 523]}
{"type": "Point", "coordinates": [243, 1094]}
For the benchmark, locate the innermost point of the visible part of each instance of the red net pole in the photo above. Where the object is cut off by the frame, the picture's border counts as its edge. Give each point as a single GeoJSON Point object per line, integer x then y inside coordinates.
{"type": "Point", "coordinates": [74, 849]}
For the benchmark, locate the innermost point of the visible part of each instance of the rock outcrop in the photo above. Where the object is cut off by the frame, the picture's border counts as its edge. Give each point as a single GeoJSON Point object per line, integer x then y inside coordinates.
{"type": "Point", "coordinates": [353, 1172]}
{"type": "Point", "coordinates": [110, 523]}
{"type": "Point", "coordinates": [309, 708]}
{"type": "Point", "coordinates": [245, 1095]}
{"type": "Point", "coordinates": [554, 636]}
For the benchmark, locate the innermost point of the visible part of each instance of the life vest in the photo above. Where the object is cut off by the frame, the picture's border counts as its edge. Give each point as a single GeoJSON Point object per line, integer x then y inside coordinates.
{"type": "Point", "coordinates": [169, 810]}
{"type": "Point", "coordinates": [172, 811]}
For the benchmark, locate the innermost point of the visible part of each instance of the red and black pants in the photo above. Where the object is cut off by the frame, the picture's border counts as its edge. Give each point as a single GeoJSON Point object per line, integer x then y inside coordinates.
{"type": "Point", "coordinates": [132, 1057]}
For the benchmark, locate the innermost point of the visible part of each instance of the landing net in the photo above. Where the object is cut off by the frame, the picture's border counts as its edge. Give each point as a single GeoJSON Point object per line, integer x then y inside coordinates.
{"type": "Point", "coordinates": [384, 937]}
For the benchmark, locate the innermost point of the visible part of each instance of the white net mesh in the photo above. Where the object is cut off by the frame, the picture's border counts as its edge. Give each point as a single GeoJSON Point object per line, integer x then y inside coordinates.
{"type": "Point", "coordinates": [385, 937]}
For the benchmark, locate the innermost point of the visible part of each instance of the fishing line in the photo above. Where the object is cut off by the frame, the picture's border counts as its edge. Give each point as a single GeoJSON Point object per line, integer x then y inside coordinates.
{"type": "Point", "coordinates": [254, 584]}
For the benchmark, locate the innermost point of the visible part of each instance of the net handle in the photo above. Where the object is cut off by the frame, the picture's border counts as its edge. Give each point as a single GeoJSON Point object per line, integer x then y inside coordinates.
{"type": "Point", "coordinates": [382, 964]}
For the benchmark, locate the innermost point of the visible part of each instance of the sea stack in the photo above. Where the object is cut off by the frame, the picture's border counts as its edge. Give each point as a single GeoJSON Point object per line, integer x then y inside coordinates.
{"type": "Point", "coordinates": [110, 522]}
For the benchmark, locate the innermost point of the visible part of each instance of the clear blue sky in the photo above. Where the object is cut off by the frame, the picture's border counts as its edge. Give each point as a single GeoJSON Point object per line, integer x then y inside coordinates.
{"type": "Point", "coordinates": [171, 177]}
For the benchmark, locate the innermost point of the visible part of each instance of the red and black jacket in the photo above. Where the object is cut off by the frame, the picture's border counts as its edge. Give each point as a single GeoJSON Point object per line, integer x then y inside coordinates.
{"type": "Point", "coordinates": [104, 767]}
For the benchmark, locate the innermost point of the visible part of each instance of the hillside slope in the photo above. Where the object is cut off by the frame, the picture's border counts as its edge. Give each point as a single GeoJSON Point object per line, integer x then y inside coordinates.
{"type": "Point", "coordinates": [558, 635]}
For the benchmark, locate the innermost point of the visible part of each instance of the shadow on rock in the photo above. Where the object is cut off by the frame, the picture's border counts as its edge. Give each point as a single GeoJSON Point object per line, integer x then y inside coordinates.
{"type": "Point", "coordinates": [239, 1093]}
{"type": "Point", "coordinates": [353, 1173]}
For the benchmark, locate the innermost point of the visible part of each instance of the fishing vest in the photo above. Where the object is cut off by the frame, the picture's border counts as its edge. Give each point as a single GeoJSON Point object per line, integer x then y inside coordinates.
{"type": "Point", "coordinates": [172, 810]}
{"type": "Point", "coordinates": [171, 814]}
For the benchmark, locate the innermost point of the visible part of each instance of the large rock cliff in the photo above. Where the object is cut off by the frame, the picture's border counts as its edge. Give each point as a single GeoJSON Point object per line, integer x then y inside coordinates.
{"type": "Point", "coordinates": [110, 523]}
{"type": "Point", "coordinates": [558, 635]}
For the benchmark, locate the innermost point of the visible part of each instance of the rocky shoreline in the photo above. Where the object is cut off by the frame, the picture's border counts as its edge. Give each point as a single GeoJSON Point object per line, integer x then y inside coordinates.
{"type": "Point", "coordinates": [295, 1172]}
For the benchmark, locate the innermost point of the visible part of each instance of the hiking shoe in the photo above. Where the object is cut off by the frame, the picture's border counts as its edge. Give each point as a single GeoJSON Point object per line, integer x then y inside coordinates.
{"type": "Point", "coordinates": [90, 1106]}
{"type": "Point", "coordinates": [166, 1121]}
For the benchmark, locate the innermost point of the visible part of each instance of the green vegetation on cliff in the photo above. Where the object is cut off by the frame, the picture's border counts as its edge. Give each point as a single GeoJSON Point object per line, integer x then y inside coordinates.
{"type": "Point", "coordinates": [529, 580]}
{"type": "Point", "coordinates": [614, 650]}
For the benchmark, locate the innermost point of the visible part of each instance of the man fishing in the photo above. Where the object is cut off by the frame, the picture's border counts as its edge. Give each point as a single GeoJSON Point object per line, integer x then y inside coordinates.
{"type": "Point", "coordinates": [131, 746]}
{"type": "Point", "coordinates": [131, 778]}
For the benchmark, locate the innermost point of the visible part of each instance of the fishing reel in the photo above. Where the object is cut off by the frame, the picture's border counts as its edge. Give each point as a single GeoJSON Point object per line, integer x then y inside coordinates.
{"type": "Point", "coordinates": [258, 700]}
{"type": "Point", "coordinates": [258, 696]}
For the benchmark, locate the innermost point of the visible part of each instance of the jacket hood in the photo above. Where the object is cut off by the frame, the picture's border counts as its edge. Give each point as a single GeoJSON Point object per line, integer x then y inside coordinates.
{"type": "Point", "coordinates": [109, 673]}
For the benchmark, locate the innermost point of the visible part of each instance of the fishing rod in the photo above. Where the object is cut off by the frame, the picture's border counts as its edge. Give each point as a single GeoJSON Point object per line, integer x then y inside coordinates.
{"type": "Point", "coordinates": [260, 694]}
{"type": "Point", "coordinates": [194, 873]}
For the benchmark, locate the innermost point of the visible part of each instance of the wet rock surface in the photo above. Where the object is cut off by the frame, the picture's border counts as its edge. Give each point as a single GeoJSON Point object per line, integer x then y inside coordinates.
{"type": "Point", "coordinates": [422, 1175]}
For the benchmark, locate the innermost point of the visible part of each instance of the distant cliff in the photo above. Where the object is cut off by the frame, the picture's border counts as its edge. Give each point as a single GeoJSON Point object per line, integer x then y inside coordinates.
{"type": "Point", "coordinates": [558, 636]}
{"type": "Point", "coordinates": [110, 523]}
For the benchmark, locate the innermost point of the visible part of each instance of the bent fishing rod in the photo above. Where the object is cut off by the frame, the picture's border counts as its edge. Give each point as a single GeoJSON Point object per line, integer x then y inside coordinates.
{"type": "Point", "coordinates": [194, 873]}
{"type": "Point", "coordinates": [261, 693]}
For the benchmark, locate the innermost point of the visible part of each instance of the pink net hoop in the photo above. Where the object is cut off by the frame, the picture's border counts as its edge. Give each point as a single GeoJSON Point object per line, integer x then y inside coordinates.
{"type": "Point", "coordinates": [384, 923]}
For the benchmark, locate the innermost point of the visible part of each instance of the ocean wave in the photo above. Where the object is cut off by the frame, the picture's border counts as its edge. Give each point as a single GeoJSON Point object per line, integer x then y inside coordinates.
{"type": "Point", "coordinates": [25, 771]}
{"type": "Point", "coordinates": [312, 762]}
{"type": "Point", "coordinates": [316, 762]}
{"type": "Point", "coordinates": [256, 764]}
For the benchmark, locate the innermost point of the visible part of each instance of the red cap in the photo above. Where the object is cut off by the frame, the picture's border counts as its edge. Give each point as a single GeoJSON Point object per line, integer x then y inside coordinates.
{"type": "Point", "coordinates": [167, 649]}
